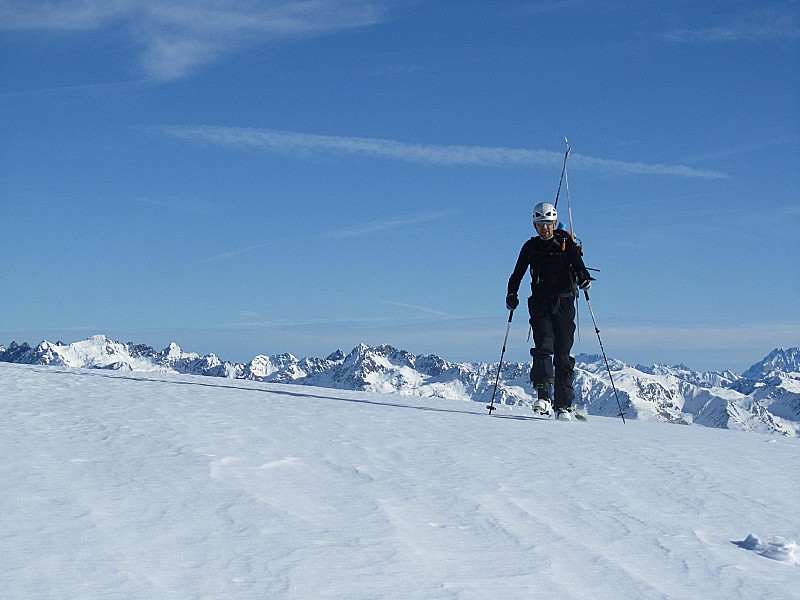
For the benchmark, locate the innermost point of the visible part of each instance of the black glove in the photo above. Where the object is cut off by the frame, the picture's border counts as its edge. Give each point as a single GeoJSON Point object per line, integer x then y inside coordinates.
{"type": "Point", "coordinates": [585, 284]}
{"type": "Point", "coordinates": [512, 301]}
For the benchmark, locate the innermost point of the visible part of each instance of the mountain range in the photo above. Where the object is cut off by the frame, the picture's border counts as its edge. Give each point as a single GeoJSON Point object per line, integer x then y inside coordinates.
{"type": "Point", "coordinates": [765, 398]}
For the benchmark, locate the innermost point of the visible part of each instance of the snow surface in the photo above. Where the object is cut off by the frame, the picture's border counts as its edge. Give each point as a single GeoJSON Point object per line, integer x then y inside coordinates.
{"type": "Point", "coordinates": [148, 485]}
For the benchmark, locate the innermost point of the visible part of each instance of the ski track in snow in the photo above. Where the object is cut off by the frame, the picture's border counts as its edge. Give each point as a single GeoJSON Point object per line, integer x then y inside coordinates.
{"type": "Point", "coordinates": [161, 486]}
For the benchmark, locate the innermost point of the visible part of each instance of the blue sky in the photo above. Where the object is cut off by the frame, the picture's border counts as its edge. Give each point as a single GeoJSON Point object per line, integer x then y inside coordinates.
{"type": "Point", "coordinates": [263, 177]}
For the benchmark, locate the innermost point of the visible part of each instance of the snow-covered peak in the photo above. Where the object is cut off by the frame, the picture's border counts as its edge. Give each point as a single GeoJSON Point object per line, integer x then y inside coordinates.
{"type": "Point", "coordinates": [335, 356]}
{"type": "Point", "coordinates": [172, 352]}
{"type": "Point", "coordinates": [776, 363]}
{"type": "Point", "coordinates": [769, 401]}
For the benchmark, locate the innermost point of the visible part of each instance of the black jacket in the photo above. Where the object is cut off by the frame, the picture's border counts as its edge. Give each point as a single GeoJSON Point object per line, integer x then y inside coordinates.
{"type": "Point", "coordinates": [555, 265]}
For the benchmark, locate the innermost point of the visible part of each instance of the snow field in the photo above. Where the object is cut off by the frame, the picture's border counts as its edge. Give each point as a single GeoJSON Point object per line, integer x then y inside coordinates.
{"type": "Point", "coordinates": [163, 486]}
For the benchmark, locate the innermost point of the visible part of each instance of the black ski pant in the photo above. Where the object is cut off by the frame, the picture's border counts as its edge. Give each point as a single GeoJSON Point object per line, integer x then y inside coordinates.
{"type": "Point", "coordinates": [553, 324]}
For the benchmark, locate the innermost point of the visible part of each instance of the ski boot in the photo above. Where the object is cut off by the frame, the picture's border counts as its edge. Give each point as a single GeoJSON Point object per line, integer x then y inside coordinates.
{"type": "Point", "coordinates": [564, 414]}
{"type": "Point", "coordinates": [544, 392]}
{"type": "Point", "coordinates": [542, 407]}
{"type": "Point", "coordinates": [570, 412]}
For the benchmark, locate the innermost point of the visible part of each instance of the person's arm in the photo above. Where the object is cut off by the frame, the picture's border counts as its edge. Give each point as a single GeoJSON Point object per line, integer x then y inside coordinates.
{"type": "Point", "coordinates": [582, 275]}
{"type": "Point", "coordinates": [519, 271]}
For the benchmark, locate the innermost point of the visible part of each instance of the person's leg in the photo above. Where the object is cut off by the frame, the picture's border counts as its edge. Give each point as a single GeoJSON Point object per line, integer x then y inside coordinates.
{"type": "Point", "coordinates": [563, 337]}
{"type": "Point", "coordinates": [542, 371]}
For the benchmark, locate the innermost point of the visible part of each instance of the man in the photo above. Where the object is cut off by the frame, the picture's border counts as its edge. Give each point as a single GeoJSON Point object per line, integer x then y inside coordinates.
{"type": "Point", "coordinates": [556, 266]}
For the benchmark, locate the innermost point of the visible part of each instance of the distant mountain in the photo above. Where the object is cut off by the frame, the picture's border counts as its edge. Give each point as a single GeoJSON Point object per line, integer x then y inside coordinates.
{"type": "Point", "coordinates": [99, 352]}
{"type": "Point", "coordinates": [777, 363]}
{"type": "Point", "coordinates": [765, 398]}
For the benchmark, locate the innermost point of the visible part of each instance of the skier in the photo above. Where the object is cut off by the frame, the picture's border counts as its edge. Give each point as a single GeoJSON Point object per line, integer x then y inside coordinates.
{"type": "Point", "coordinates": [556, 266]}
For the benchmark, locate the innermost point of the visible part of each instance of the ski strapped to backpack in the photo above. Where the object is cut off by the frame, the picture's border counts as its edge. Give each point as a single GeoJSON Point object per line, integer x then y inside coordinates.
{"type": "Point", "coordinates": [565, 179]}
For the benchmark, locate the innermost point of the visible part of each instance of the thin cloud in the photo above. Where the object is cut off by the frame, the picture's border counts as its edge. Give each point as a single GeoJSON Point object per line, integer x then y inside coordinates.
{"type": "Point", "coordinates": [355, 231]}
{"type": "Point", "coordinates": [739, 149]}
{"type": "Point", "coordinates": [305, 144]}
{"type": "Point", "coordinates": [701, 336]}
{"type": "Point", "coordinates": [177, 37]}
{"type": "Point", "coordinates": [380, 226]}
{"type": "Point", "coordinates": [316, 324]}
{"type": "Point", "coordinates": [547, 7]}
{"type": "Point", "coordinates": [423, 309]}
{"type": "Point", "coordinates": [72, 90]}
{"type": "Point", "coordinates": [233, 253]}
{"type": "Point", "coordinates": [249, 314]}
{"type": "Point", "coordinates": [177, 205]}
{"type": "Point", "coordinates": [74, 15]}
{"type": "Point", "coordinates": [792, 210]}
{"type": "Point", "coordinates": [769, 23]}
{"type": "Point", "coordinates": [639, 168]}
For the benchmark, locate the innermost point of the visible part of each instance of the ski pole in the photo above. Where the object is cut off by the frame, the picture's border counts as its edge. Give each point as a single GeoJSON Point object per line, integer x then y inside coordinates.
{"type": "Point", "coordinates": [491, 406]}
{"type": "Point", "coordinates": [597, 331]}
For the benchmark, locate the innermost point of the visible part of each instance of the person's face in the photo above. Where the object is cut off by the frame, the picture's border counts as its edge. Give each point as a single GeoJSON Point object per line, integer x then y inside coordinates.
{"type": "Point", "coordinates": [545, 229]}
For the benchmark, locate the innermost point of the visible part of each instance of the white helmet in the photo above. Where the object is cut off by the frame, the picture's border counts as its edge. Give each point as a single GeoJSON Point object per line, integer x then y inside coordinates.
{"type": "Point", "coordinates": [545, 213]}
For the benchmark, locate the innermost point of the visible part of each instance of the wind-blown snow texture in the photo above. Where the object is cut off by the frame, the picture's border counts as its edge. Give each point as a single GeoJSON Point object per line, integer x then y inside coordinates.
{"type": "Point", "coordinates": [766, 398]}
{"type": "Point", "coordinates": [154, 485]}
